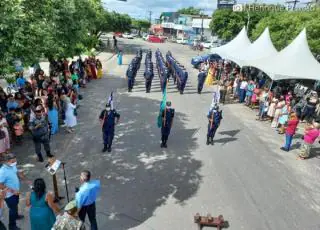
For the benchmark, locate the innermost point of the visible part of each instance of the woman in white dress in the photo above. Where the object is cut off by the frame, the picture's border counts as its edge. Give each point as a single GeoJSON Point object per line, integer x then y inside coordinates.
{"type": "Point", "coordinates": [272, 108]}
{"type": "Point", "coordinates": [71, 119]}
{"type": "Point", "coordinates": [5, 139]}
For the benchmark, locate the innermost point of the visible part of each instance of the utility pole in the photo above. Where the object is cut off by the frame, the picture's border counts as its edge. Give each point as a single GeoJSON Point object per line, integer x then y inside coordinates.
{"type": "Point", "coordinates": [150, 14]}
{"type": "Point", "coordinates": [294, 3]}
{"type": "Point", "coordinates": [202, 32]}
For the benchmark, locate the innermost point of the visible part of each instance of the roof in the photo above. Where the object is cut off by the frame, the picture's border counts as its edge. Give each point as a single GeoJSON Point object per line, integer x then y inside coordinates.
{"type": "Point", "coordinates": [241, 41]}
{"type": "Point", "coordinates": [260, 48]}
{"type": "Point", "coordinates": [293, 62]}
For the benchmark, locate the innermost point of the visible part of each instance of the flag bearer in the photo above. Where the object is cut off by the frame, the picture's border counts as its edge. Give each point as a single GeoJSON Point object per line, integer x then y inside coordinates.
{"type": "Point", "coordinates": [214, 118]}
{"type": "Point", "coordinates": [167, 121]}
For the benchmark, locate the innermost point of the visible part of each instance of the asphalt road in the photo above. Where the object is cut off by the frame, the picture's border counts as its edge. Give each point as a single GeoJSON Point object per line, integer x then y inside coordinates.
{"type": "Point", "coordinates": [244, 176]}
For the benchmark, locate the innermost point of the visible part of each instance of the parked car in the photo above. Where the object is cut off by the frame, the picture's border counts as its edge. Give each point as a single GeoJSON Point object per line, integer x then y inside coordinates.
{"type": "Point", "coordinates": [155, 39]}
{"type": "Point", "coordinates": [196, 61]}
{"type": "Point", "coordinates": [118, 34]}
{"type": "Point", "coordinates": [163, 37]}
{"type": "Point", "coordinates": [212, 44]}
{"type": "Point", "coordinates": [145, 37]}
{"type": "Point", "coordinates": [128, 36]}
{"type": "Point", "coordinates": [182, 41]}
{"type": "Point", "coordinates": [207, 44]}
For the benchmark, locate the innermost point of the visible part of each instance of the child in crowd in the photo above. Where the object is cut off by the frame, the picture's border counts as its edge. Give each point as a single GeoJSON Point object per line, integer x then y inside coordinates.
{"type": "Point", "coordinates": [290, 130]}
{"type": "Point", "coordinates": [311, 133]}
{"type": "Point", "coordinates": [18, 131]}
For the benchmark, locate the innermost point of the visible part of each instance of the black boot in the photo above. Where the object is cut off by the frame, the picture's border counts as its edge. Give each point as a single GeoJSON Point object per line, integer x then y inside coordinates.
{"type": "Point", "coordinates": [109, 149]}
{"type": "Point", "coordinates": [208, 141]}
{"type": "Point", "coordinates": [211, 140]}
{"type": "Point", "coordinates": [49, 154]}
{"type": "Point", "coordinates": [40, 158]}
{"type": "Point", "coordinates": [105, 148]}
{"type": "Point", "coordinates": [165, 144]}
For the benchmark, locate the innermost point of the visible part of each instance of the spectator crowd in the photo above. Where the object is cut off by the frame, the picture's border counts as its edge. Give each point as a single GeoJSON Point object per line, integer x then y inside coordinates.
{"type": "Point", "coordinates": [284, 104]}
{"type": "Point", "coordinates": [37, 106]}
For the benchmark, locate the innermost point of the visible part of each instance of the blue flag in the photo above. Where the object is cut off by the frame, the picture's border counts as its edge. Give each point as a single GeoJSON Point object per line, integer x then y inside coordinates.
{"type": "Point", "coordinates": [162, 105]}
{"type": "Point", "coordinates": [110, 100]}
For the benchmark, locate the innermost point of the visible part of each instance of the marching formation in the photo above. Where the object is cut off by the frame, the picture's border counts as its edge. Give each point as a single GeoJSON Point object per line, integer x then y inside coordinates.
{"type": "Point", "coordinates": [132, 70]}
{"type": "Point", "coordinates": [166, 68]}
{"type": "Point", "coordinates": [163, 71]}
{"type": "Point", "coordinates": [179, 74]}
{"type": "Point", "coordinates": [148, 73]}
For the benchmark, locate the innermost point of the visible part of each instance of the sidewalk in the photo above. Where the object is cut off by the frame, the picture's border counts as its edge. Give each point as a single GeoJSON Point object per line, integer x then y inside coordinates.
{"type": "Point", "coordinates": [103, 56]}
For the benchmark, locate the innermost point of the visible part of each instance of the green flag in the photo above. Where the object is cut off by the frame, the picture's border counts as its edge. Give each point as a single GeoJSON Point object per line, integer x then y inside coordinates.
{"type": "Point", "coordinates": [162, 105]}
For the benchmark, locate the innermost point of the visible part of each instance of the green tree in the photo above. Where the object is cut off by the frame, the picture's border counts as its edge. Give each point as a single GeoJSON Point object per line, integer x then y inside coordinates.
{"type": "Point", "coordinates": [285, 26]}
{"type": "Point", "coordinates": [190, 11]}
{"type": "Point", "coordinates": [31, 29]}
{"type": "Point", "coordinates": [140, 25]}
{"type": "Point", "coordinates": [227, 24]}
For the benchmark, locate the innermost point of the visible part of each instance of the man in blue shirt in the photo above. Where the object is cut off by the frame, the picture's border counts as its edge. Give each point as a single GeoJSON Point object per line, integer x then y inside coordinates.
{"type": "Point", "coordinates": [12, 104]}
{"type": "Point", "coordinates": [10, 183]}
{"type": "Point", "coordinates": [21, 82]}
{"type": "Point", "coordinates": [86, 198]}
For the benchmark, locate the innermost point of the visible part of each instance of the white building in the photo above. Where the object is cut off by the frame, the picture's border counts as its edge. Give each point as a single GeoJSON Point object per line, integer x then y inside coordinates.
{"type": "Point", "coordinates": [197, 26]}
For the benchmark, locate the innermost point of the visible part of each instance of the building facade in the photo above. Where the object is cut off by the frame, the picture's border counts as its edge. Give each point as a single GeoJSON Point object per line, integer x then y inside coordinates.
{"type": "Point", "coordinates": [178, 25]}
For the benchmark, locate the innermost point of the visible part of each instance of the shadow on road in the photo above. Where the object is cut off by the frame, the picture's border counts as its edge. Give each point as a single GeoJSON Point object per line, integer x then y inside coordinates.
{"type": "Point", "coordinates": [137, 176]}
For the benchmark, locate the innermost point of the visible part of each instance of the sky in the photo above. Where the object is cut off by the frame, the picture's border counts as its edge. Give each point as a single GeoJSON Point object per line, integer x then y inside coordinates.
{"type": "Point", "coordinates": [140, 8]}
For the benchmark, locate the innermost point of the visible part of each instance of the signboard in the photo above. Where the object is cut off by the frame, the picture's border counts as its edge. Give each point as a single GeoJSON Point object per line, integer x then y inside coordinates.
{"type": "Point", "coordinates": [168, 25]}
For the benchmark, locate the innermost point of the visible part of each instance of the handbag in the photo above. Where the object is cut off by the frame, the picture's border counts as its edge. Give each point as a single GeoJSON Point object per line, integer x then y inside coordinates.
{"type": "Point", "coordinates": [75, 112]}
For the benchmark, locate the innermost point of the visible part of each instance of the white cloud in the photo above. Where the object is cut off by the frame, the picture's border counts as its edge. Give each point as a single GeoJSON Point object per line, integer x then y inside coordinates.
{"type": "Point", "coordinates": [141, 8]}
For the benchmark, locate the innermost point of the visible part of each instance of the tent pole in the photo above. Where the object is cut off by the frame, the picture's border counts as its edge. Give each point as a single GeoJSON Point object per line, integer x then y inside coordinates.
{"type": "Point", "coordinates": [271, 85]}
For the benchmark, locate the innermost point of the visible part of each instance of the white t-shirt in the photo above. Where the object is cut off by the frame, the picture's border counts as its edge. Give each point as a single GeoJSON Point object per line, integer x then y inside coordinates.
{"type": "Point", "coordinates": [243, 85]}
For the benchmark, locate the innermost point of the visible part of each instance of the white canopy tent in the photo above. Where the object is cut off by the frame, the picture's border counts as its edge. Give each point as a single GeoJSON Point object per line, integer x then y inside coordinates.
{"type": "Point", "coordinates": [241, 41]}
{"type": "Point", "coordinates": [261, 48]}
{"type": "Point", "coordinates": [293, 62]}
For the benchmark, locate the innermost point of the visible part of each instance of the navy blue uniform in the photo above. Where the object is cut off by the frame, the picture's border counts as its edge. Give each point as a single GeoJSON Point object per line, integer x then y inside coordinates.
{"type": "Point", "coordinates": [109, 120]}
{"type": "Point", "coordinates": [183, 81]}
{"type": "Point", "coordinates": [130, 76]}
{"type": "Point", "coordinates": [201, 79]}
{"type": "Point", "coordinates": [148, 75]}
{"type": "Point", "coordinates": [214, 118]}
{"type": "Point", "coordinates": [167, 120]}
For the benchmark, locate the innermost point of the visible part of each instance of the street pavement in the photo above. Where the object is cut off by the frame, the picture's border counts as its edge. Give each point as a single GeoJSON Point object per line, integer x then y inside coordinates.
{"type": "Point", "coordinates": [244, 176]}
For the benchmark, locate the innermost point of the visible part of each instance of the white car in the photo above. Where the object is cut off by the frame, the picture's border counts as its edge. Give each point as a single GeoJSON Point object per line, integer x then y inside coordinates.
{"type": "Point", "coordinates": [145, 37]}
{"type": "Point", "coordinates": [206, 45]}
{"type": "Point", "coordinates": [209, 45]}
{"type": "Point", "coordinates": [181, 41]}
{"type": "Point", "coordinates": [128, 36]}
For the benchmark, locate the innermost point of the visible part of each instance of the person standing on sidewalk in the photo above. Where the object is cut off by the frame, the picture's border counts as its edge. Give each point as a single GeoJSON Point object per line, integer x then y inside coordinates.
{"type": "Point", "coordinates": [115, 44]}
{"type": "Point", "coordinates": [69, 220]}
{"type": "Point", "coordinates": [290, 131]}
{"type": "Point", "coordinates": [86, 198]}
{"type": "Point", "coordinates": [40, 131]}
{"type": "Point", "coordinates": [2, 196]}
{"type": "Point", "coordinates": [10, 184]}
